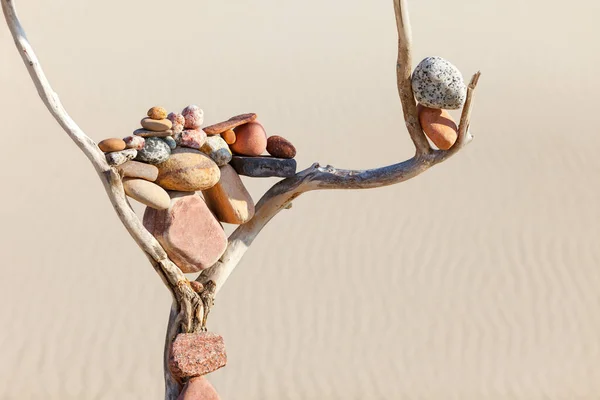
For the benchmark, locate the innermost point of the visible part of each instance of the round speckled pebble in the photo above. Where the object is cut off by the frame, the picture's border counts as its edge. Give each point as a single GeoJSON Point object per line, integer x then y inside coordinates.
{"type": "Point", "coordinates": [155, 151]}
{"type": "Point", "coordinates": [437, 83]}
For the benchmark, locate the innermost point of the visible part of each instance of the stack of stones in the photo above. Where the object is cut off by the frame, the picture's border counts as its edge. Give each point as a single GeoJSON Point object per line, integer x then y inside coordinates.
{"type": "Point", "coordinates": [438, 86]}
{"type": "Point", "coordinates": [189, 177]}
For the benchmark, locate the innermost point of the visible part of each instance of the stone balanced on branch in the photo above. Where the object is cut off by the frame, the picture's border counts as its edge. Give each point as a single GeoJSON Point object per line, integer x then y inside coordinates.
{"type": "Point", "coordinates": [188, 177]}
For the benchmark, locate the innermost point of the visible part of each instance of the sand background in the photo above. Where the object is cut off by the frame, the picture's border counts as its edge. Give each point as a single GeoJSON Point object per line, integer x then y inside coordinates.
{"type": "Point", "coordinates": [479, 279]}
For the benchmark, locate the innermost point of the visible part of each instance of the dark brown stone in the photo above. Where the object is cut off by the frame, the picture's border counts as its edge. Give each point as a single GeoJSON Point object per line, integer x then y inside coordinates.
{"type": "Point", "coordinates": [280, 147]}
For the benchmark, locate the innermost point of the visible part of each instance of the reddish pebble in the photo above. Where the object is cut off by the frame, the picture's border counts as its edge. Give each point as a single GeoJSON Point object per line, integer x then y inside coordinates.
{"type": "Point", "coordinates": [280, 147]}
{"type": "Point", "coordinates": [250, 139]}
{"type": "Point", "coordinates": [134, 142]}
{"type": "Point", "coordinates": [112, 144]}
{"type": "Point", "coordinates": [178, 122]}
{"type": "Point", "coordinates": [197, 354]}
{"type": "Point", "coordinates": [199, 388]}
{"type": "Point", "coordinates": [194, 117]}
{"type": "Point", "coordinates": [439, 126]}
{"type": "Point", "coordinates": [192, 138]}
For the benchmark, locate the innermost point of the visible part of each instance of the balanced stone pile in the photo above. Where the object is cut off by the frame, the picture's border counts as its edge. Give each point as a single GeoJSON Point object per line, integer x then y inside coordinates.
{"type": "Point", "coordinates": [438, 86]}
{"type": "Point", "coordinates": [188, 177]}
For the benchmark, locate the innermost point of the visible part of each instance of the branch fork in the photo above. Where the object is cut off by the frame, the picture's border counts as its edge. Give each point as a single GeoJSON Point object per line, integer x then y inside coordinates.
{"type": "Point", "coordinates": [190, 309]}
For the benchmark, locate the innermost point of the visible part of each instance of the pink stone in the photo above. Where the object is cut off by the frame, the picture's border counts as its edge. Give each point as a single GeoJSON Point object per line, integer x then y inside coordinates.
{"type": "Point", "coordinates": [199, 388]}
{"type": "Point", "coordinates": [134, 142]}
{"type": "Point", "coordinates": [178, 122]}
{"type": "Point", "coordinates": [194, 117]}
{"type": "Point", "coordinates": [192, 138]}
{"type": "Point", "coordinates": [188, 231]}
{"type": "Point", "coordinates": [197, 354]}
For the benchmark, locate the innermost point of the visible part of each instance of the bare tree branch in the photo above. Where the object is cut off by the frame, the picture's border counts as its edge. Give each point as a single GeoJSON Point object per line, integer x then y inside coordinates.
{"type": "Point", "coordinates": [189, 310]}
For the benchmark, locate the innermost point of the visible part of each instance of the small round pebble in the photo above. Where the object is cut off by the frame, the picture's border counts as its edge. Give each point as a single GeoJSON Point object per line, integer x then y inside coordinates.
{"type": "Point", "coordinates": [120, 157]}
{"type": "Point", "coordinates": [134, 142]}
{"type": "Point", "coordinates": [280, 147]}
{"type": "Point", "coordinates": [229, 136]}
{"type": "Point", "coordinates": [155, 151]}
{"type": "Point", "coordinates": [147, 193]}
{"type": "Point", "coordinates": [192, 138]}
{"type": "Point", "coordinates": [157, 113]}
{"type": "Point", "coordinates": [437, 83]}
{"type": "Point", "coordinates": [251, 139]}
{"type": "Point", "coordinates": [156, 125]}
{"type": "Point", "coordinates": [112, 144]}
{"type": "Point", "coordinates": [178, 122]}
{"type": "Point", "coordinates": [194, 117]}
{"type": "Point", "coordinates": [170, 141]}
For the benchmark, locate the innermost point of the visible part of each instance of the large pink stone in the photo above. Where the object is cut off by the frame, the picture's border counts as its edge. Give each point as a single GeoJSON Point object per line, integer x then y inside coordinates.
{"type": "Point", "coordinates": [197, 354]}
{"type": "Point", "coordinates": [188, 231]}
{"type": "Point", "coordinates": [199, 388]}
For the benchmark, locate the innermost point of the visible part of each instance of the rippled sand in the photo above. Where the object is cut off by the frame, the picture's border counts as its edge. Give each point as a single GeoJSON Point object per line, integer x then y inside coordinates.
{"type": "Point", "coordinates": [478, 280]}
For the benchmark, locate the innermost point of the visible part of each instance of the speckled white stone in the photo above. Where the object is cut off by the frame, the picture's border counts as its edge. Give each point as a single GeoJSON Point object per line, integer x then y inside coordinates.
{"type": "Point", "coordinates": [437, 83]}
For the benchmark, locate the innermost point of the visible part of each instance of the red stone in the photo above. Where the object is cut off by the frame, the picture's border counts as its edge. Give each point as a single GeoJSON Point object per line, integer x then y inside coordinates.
{"type": "Point", "coordinates": [188, 231]}
{"type": "Point", "coordinates": [197, 354]}
{"type": "Point", "coordinates": [250, 139]}
{"type": "Point", "coordinates": [199, 388]}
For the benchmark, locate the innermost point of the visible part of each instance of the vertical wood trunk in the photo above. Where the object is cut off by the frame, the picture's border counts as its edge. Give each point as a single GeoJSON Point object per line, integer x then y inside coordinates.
{"type": "Point", "coordinates": [172, 387]}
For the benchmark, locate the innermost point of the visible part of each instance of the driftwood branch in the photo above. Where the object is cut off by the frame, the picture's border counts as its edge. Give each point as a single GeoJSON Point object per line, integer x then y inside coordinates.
{"type": "Point", "coordinates": [189, 310]}
{"type": "Point", "coordinates": [318, 178]}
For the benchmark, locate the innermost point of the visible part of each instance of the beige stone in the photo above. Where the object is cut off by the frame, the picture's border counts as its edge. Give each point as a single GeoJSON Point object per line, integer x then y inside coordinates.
{"type": "Point", "coordinates": [156, 125]}
{"type": "Point", "coordinates": [228, 199]}
{"type": "Point", "coordinates": [187, 170]}
{"type": "Point", "coordinates": [136, 169]}
{"type": "Point", "coordinates": [217, 149]}
{"type": "Point", "coordinates": [146, 193]}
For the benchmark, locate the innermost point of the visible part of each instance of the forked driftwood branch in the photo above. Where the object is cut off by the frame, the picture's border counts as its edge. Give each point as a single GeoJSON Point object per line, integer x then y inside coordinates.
{"type": "Point", "coordinates": [189, 310]}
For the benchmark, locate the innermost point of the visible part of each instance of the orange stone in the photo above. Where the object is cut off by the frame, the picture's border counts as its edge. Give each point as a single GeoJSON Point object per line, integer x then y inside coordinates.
{"type": "Point", "coordinates": [228, 136]}
{"type": "Point", "coordinates": [439, 126]}
{"type": "Point", "coordinates": [112, 144]}
{"type": "Point", "coordinates": [250, 139]}
{"type": "Point", "coordinates": [228, 199]}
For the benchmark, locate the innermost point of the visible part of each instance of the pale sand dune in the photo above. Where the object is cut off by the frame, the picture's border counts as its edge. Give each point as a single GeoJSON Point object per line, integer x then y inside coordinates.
{"type": "Point", "coordinates": [478, 280]}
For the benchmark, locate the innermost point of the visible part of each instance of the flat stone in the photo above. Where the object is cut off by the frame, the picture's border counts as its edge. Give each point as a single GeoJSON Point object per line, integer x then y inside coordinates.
{"type": "Point", "coordinates": [146, 133]}
{"type": "Point", "coordinates": [135, 169]}
{"type": "Point", "coordinates": [156, 125]}
{"type": "Point", "coordinates": [157, 113]}
{"type": "Point", "coordinates": [198, 388]}
{"type": "Point", "coordinates": [250, 139]}
{"type": "Point", "coordinates": [178, 122]}
{"type": "Point", "coordinates": [228, 136]}
{"type": "Point", "coordinates": [231, 123]}
{"type": "Point", "coordinates": [194, 117]}
{"type": "Point", "coordinates": [437, 83]}
{"type": "Point", "coordinates": [439, 126]}
{"type": "Point", "coordinates": [187, 170]}
{"type": "Point", "coordinates": [155, 151]}
{"type": "Point", "coordinates": [228, 199]}
{"type": "Point", "coordinates": [217, 149]}
{"type": "Point", "coordinates": [197, 354]}
{"type": "Point", "coordinates": [188, 231]}
{"type": "Point", "coordinates": [263, 167]}
{"type": "Point", "coordinates": [280, 147]}
{"type": "Point", "coordinates": [120, 157]}
{"type": "Point", "coordinates": [147, 193]}
{"type": "Point", "coordinates": [112, 144]}
{"type": "Point", "coordinates": [170, 142]}
{"type": "Point", "coordinates": [134, 142]}
{"type": "Point", "coordinates": [192, 138]}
